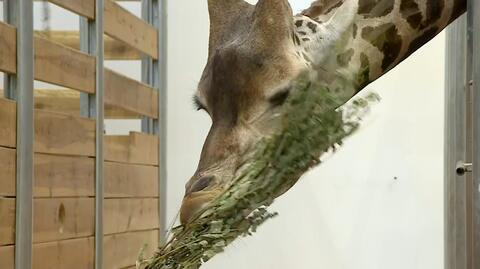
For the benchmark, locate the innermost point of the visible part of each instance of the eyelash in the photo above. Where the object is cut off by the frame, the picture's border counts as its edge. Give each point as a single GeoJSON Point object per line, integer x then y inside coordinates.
{"type": "Point", "coordinates": [197, 104]}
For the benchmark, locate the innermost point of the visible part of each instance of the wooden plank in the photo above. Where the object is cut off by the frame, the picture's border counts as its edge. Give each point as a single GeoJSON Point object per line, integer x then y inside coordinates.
{"type": "Point", "coordinates": [61, 65]}
{"type": "Point", "coordinates": [66, 254]}
{"type": "Point", "coordinates": [129, 180]}
{"type": "Point", "coordinates": [122, 25]}
{"type": "Point", "coordinates": [130, 94]}
{"type": "Point", "coordinates": [7, 257]}
{"type": "Point", "coordinates": [8, 123]}
{"type": "Point", "coordinates": [8, 48]}
{"type": "Point", "coordinates": [114, 49]}
{"type": "Point", "coordinates": [125, 215]}
{"type": "Point", "coordinates": [63, 218]}
{"type": "Point", "coordinates": [7, 171]}
{"type": "Point", "coordinates": [57, 133]}
{"type": "Point", "coordinates": [7, 221]}
{"type": "Point", "coordinates": [136, 148]}
{"type": "Point", "coordinates": [55, 176]}
{"type": "Point", "coordinates": [64, 176]}
{"type": "Point", "coordinates": [121, 250]}
{"type": "Point", "coordinates": [68, 102]}
{"type": "Point", "coordinates": [84, 8]}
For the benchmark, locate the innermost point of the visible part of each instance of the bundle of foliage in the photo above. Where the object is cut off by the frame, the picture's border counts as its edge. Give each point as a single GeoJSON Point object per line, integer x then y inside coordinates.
{"type": "Point", "coordinates": [313, 123]}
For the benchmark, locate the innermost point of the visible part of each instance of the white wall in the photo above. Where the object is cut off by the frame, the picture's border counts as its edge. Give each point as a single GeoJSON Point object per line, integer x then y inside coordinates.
{"type": "Point", "coordinates": [377, 203]}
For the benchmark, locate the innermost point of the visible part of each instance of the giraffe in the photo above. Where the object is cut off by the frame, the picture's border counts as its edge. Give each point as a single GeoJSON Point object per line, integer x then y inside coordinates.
{"type": "Point", "coordinates": [256, 50]}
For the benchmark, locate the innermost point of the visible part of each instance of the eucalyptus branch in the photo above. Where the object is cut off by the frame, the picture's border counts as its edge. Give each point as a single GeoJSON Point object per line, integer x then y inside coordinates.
{"type": "Point", "coordinates": [312, 124]}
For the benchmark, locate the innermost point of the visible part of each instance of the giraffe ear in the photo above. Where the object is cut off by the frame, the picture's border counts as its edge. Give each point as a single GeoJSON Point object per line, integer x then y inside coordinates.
{"type": "Point", "coordinates": [223, 14]}
{"type": "Point", "coordinates": [273, 21]}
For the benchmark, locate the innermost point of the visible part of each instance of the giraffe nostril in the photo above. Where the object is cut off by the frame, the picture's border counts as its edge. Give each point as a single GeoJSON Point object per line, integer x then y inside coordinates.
{"type": "Point", "coordinates": [201, 184]}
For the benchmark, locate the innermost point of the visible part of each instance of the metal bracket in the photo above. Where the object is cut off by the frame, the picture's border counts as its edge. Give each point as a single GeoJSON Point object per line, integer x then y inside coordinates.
{"type": "Point", "coordinates": [463, 168]}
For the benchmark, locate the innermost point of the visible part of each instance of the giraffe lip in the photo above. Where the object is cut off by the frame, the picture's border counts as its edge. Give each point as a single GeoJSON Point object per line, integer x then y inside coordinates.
{"type": "Point", "coordinates": [193, 203]}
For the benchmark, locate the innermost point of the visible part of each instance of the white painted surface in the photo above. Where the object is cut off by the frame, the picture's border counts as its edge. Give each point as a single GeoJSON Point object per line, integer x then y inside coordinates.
{"type": "Point", "coordinates": [378, 203]}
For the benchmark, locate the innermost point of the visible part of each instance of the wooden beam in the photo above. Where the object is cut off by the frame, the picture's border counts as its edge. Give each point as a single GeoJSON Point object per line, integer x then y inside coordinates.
{"type": "Point", "coordinates": [114, 49]}
{"type": "Point", "coordinates": [8, 48]}
{"type": "Point", "coordinates": [63, 218]}
{"type": "Point", "coordinates": [84, 8]}
{"type": "Point", "coordinates": [8, 171]}
{"type": "Point", "coordinates": [7, 221]}
{"type": "Point", "coordinates": [129, 94]}
{"type": "Point", "coordinates": [57, 133]}
{"type": "Point", "coordinates": [136, 148]}
{"type": "Point", "coordinates": [8, 123]}
{"type": "Point", "coordinates": [120, 251]}
{"type": "Point", "coordinates": [66, 254]}
{"type": "Point", "coordinates": [58, 219]}
{"type": "Point", "coordinates": [73, 176]}
{"type": "Point", "coordinates": [64, 176]}
{"type": "Point", "coordinates": [130, 180]}
{"type": "Point", "coordinates": [7, 255]}
{"type": "Point", "coordinates": [61, 65]}
{"type": "Point", "coordinates": [125, 215]}
{"type": "Point", "coordinates": [68, 102]}
{"type": "Point", "coordinates": [122, 25]}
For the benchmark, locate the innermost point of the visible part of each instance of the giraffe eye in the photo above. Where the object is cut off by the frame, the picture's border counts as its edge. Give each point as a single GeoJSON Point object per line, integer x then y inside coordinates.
{"type": "Point", "coordinates": [280, 97]}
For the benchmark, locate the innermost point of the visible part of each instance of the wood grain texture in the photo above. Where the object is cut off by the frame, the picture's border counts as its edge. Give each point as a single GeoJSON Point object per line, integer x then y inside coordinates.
{"type": "Point", "coordinates": [121, 250]}
{"type": "Point", "coordinates": [124, 26]}
{"type": "Point", "coordinates": [130, 180]}
{"type": "Point", "coordinates": [7, 257]}
{"type": "Point", "coordinates": [125, 215]}
{"type": "Point", "coordinates": [66, 254]}
{"type": "Point", "coordinates": [61, 65]}
{"type": "Point", "coordinates": [8, 123]}
{"type": "Point", "coordinates": [7, 171]}
{"type": "Point", "coordinates": [7, 221]}
{"type": "Point", "coordinates": [63, 218]}
{"type": "Point", "coordinates": [114, 49]}
{"type": "Point", "coordinates": [64, 176]}
{"type": "Point", "coordinates": [68, 102]}
{"type": "Point", "coordinates": [8, 48]}
{"type": "Point", "coordinates": [84, 8]}
{"type": "Point", "coordinates": [129, 94]}
{"type": "Point", "coordinates": [136, 148]}
{"type": "Point", "coordinates": [57, 133]}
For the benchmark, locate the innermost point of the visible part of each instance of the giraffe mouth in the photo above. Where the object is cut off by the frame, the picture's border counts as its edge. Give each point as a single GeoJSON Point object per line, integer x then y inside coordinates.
{"type": "Point", "coordinates": [195, 202]}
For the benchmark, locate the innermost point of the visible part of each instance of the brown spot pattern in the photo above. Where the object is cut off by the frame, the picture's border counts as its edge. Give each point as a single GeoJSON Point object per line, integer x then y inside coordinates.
{"type": "Point", "coordinates": [434, 12]}
{"type": "Point", "coordinates": [386, 38]}
{"type": "Point", "coordinates": [375, 8]}
{"type": "Point", "coordinates": [411, 12]}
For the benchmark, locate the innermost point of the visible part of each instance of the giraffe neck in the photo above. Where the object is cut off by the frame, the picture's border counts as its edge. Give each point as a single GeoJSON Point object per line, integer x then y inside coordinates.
{"type": "Point", "coordinates": [376, 36]}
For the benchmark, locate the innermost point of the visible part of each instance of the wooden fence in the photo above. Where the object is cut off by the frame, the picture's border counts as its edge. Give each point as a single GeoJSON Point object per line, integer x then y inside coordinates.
{"type": "Point", "coordinates": [66, 198]}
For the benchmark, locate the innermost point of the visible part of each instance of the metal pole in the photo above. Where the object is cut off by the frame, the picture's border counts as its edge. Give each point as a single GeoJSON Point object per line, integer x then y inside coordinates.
{"type": "Point", "coordinates": [161, 124]}
{"type": "Point", "coordinates": [91, 41]}
{"type": "Point", "coordinates": [455, 145]}
{"type": "Point", "coordinates": [154, 73]}
{"type": "Point", "coordinates": [25, 134]}
{"type": "Point", "coordinates": [474, 13]}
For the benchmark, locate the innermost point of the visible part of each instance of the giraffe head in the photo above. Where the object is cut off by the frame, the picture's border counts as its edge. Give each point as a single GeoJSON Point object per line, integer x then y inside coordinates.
{"type": "Point", "coordinates": [251, 61]}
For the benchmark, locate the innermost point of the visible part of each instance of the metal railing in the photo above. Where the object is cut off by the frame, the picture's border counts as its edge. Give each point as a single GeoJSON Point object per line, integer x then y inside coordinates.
{"type": "Point", "coordinates": [20, 87]}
